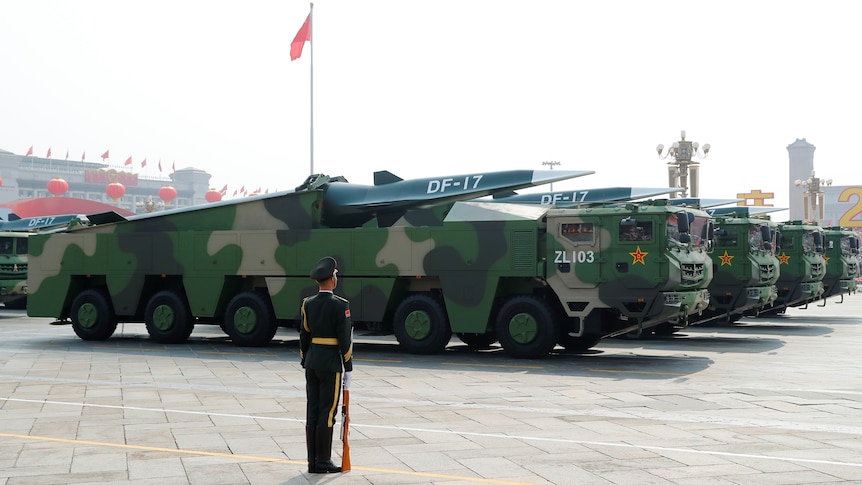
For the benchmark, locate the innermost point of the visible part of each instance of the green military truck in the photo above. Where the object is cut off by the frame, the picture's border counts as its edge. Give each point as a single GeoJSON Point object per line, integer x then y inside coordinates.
{"type": "Point", "coordinates": [13, 269]}
{"type": "Point", "coordinates": [426, 264]}
{"type": "Point", "coordinates": [841, 253]}
{"type": "Point", "coordinates": [745, 268]}
{"type": "Point", "coordinates": [801, 265]}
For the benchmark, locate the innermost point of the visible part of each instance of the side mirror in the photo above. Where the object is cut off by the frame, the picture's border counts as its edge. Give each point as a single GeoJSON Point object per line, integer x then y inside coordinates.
{"type": "Point", "coordinates": [682, 223]}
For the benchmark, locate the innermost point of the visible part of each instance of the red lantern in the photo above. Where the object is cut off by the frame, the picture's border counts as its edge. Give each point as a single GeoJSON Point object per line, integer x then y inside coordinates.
{"type": "Point", "coordinates": [168, 193]}
{"type": "Point", "coordinates": [57, 186]}
{"type": "Point", "coordinates": [212, 195]}
{"type": "Point", "coordinates": [115, 190]}
{"type": "Point", "coordinates": [1, 181]}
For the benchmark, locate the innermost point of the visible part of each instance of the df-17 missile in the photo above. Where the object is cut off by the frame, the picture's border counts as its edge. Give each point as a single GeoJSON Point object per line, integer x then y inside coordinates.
{"type": "Point", "coordinates": [576, 198]}
{"type": "Point", "coordinates": [31, 224]}
{"type": "Point", "coordinates": [742, 211]}
{"type": "Point", "coordinates": [703, 203]}
{"type": "Point", "coordinates": [351, 205]}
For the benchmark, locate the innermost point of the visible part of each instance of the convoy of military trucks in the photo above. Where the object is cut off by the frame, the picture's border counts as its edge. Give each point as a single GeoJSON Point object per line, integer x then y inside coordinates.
{"type": "Point", "coordinates": [430, 258]}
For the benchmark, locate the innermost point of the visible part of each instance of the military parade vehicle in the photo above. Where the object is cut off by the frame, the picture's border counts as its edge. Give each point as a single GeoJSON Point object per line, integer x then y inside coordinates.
{"type": "Point", "coordinates": [14, 236]}
{"type": "Point", "coordinates": [414, 256]}
{"type": "Point", "coordinates": [801, 265]}
{"type": "Point", "coordinates": [13, 269]}
{"type": "Point", "coordinates": [745, 265]}
{"type": "Point", "coordinates": [841, 252]}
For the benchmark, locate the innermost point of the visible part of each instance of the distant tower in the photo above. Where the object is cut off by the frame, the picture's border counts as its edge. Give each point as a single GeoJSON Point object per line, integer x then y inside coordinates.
{"type": "Point", "coordinates": [801, 166]}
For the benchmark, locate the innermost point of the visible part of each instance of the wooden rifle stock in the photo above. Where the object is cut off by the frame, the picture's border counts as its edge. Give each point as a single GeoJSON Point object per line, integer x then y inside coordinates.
{"type": "Point", "coordinates": [345, 428]}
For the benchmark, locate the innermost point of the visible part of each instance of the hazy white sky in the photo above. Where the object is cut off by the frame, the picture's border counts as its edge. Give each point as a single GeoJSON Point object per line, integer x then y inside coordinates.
{"type": "Point", "coordinates": [424, 88]}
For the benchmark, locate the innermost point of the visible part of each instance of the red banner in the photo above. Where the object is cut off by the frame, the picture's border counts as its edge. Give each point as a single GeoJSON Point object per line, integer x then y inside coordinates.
{"type": "Point", "coordinates": [109, 176]}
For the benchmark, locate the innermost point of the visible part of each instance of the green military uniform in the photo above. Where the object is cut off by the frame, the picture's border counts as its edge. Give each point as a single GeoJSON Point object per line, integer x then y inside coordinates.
{"type": "Point", "coordinates": [326, 349]}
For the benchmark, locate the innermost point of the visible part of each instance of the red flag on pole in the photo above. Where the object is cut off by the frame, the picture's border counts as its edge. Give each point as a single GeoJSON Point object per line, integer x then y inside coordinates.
{"type": "Point", "coordinates": [128, 161]}
{"type": "Point", "coordinates": [83, 155]}
{"type": "Point", "coordinates": [303, 35]}
{"type": "Point", "coordinates": [144, 163]}
{"type": "Point", "coordinates": [174, 166]}
{"type": "Point", "coordinates": [67, 155]}
{"type": "Point", "coordinates": [49, 153]}
{"type": "Point", "coordinates": [160, 165]}
{"type": "Point", "coordinates": [29, 152]}
{"type": "Point", "coordinates": [224, 190]}
{"type": "Point", "coordinates": [105, 155]}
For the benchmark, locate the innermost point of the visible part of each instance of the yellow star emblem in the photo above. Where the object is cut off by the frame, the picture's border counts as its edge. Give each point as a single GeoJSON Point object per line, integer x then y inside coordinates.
{"type": "Point", "coordinates": [725, 259]}
{"type": "Point", "coordinates": [784, 258]}
{"type": "Point", "coordinates": [639, 256]}
{"type": "Point", "coordinates": [826, 259]}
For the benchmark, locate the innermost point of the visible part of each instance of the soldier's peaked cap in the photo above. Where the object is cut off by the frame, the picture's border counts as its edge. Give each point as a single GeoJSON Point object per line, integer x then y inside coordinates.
{"type": "Point", "coordinates": [324, 269]}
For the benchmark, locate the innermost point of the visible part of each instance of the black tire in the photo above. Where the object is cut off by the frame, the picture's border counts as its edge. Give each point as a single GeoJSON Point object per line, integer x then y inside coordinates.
{"type": "Point", "coordinates": [168, 318]}
{"type": "Point", "coordinates": [17, 303]}
{"type": "Point", "coordinates": [421, 326]}
{"type": "Point", "coordinates": [478, 341]}
{"type": "Point", "coordinates": [579, 344]}
{"type": "Point", "coordinates": [527, 328]}
{"type": "Point", "coordinates": [93, 316]}
{"type": "Point", "coordinates": [249, 320]}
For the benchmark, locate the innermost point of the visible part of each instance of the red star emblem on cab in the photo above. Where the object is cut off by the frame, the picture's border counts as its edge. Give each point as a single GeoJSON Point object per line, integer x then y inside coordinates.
{"type": "Point", "coordinates": [784, 258]}
{"type": "Point", "coordinates": [726, 258]}
{"type": "Point", "coordinates": [639, 256]}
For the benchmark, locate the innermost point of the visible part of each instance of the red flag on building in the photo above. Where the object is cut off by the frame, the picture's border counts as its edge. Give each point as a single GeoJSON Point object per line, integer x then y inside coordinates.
{"type": "Point", "coordinates": [302, 36]}
{"type": "Point", "coordinates": [49, 153]}
{"type": "Point", "coordinates": [174, 166]}
{"type": "Point", "coordinates": [224, 190]}
{"type": "Point", "coordinates": [234, 192]}
{"type": "Point", "coordinates": [128, 161]}
{"type": "Point", "coordinates": [160, 165]}
{"type": "Point", "coordinates": [67, 154]}
{"type": "Point", "coordinates": [83, 155]}
{"type": "Point", "coordinates": [144, 163]}
{"type": "Point", "coordinates": [105, 155]}
{"type": "Point", "coordinates": [29, 152]}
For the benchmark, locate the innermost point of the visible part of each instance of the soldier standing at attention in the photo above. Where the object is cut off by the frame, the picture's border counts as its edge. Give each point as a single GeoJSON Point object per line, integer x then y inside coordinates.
{"type": "Point", "coordinates": [326, 349]}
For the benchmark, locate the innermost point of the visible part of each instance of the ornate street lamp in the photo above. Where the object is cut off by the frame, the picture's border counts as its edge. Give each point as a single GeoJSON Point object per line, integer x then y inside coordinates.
{"type": "Point", "coordinates": [682, 165]}
{"type": "Point", "coordinates": [150, 205]}
{"type": "Point", "coordinates": [813, 198]}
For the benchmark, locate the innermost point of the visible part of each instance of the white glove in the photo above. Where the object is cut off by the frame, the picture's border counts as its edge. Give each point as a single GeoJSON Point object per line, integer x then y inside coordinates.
{"type": "Point", "coordinates": [348, 376]}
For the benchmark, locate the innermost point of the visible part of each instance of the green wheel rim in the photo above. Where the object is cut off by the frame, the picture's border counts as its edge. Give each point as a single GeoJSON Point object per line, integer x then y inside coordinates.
{"type": "Point", "coordinates": [418, 325]}
{"type": "Point", "coordinates": [245, 320]}
{"type": "Point", "coordinates": [88, 315]}
{"type": "Point", "coordinates": [163, 317]}
{"type": "Point", "coordinates": [523, 328]}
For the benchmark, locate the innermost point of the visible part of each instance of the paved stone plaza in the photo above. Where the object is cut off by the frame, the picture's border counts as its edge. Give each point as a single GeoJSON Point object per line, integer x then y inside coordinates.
{"type": "Point", "coordinates": [775, 400]}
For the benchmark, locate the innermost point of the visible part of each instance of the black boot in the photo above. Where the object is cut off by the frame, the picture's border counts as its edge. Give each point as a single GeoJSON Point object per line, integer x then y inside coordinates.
{"type": "Point", "coordinates": [323, 451]}
{"type": "Point", "coordinates": [312, 451]}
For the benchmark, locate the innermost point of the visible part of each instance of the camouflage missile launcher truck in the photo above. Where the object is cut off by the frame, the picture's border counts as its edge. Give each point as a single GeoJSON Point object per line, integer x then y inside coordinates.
{"type": "Point", "coordinates": [426, 264]}
{"type": "Point", "coordinates": [801, 266]}
{"type": "Point", "coordinates": [745, 268]}
{"type": "Point", "coordinates": [841, 253]}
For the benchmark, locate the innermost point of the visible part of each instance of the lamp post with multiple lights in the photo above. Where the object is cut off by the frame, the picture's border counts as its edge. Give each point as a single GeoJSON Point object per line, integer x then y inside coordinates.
{"type": "Point", "coordinates": [813, 197]}
{"type": "Point", "coordinates": [683, 170]}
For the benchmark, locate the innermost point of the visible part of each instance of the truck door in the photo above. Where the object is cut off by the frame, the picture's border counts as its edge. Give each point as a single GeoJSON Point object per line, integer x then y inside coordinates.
{"type": "Point", "coordinates": [577, 254]}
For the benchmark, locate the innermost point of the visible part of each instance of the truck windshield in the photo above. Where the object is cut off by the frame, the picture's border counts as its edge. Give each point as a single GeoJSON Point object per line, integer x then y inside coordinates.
{"type": "Point", "coordinates": [5, 245]}
{"type": "Point", "coordinates": [755, 237]}
{"type": "Point", "coordinates": [808, 241]}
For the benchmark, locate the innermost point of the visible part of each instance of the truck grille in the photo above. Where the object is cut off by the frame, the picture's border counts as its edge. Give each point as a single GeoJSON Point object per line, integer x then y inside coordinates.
{"type": "Point", "coordinates": [816, 269]}
{"type": "Point", "coordinates": [767, 272]}
{"type": "Point", "coordinates": [691, 272]}
{"type": "Point", "coordinates": [13, 268]}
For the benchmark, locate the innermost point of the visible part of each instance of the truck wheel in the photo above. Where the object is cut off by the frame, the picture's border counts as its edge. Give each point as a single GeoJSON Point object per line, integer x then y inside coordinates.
{"type": "Point", "coordinates": [249, 320]}
{"type": "Point", "coordinates": [526, 327]}
{"type": "Point", "coordinates": [92, 315]}
{"type": "Point", "coordinates": [421, 326]}
{"type": "Point", "coordinates": [168, 318]}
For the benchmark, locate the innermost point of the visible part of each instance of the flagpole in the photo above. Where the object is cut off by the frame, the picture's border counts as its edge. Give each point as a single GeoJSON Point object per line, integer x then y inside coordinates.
{"type": "Point", "coordinates": [310, 32]}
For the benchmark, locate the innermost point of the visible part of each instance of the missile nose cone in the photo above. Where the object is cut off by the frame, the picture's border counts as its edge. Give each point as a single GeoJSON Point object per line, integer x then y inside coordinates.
{"type": "Point", "coordinates": [548, 176]}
